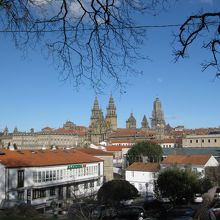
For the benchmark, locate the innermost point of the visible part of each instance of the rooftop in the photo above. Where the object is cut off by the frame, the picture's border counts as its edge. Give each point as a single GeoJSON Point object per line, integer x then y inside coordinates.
{"type": "Point", "coordinates": [95, 152]}
{"type": "Point", "coordinates": [37, 158]}
{"type": "Point", "coordinates": [196, 159]}
{"type": "Point", "coordinates": [145, 167]}
{"type": "Point", "coordinates": [116, 147]}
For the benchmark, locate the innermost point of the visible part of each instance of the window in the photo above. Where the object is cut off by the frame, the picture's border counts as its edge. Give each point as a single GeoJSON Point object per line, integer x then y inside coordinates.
{"type": "Point", "coordinates": [209, 140]}
{"type": "Point", "coordinates": [191, 141]}
{"type": "Point", "coordinates": [39, 176]}
{"type": "Point", "coordinates": [215, 140]}
{"type": "Point", "coordinates": [61, 174]}
{"type": "Point", "coordinates": [197, 141]}
{"type": "Point", "coordinates": [132, 173]}
{"type": "Point", "coordinates": [58, 174]}
{"type": "Point", "coordinates": [20, 178]}
{"type": "Point", "coordinates": [39, 193]}
{"type": "Point", "coordinates": [20, 195]}
{"type": "Point", "coordinates": [51, 175]}
{"type": "Point", "coordinates": [54, 174]}
{"type": "Point", "coordinates": [86, 185]}
{"type": "Point", "coordinates": [91, 184]}
{"type": "Point", "coordinates": [43, 176]}
{"type": "Point", "coordinates": [52, 191]}
{"type": "Point", "coordinates": [68, 191]}
{"type": "Point", "coordinates": [35, 176]}
{"type": "Point", "coordinates": [47, 175]}
{"type": "Point", "coordinates": [202, 141]}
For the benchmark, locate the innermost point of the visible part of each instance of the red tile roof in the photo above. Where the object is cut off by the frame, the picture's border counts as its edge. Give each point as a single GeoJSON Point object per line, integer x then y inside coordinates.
{"type": "Point", "coordinates": [196, 159]}
{"type": "Point", "coordinates": [145, 167]}
{"type": "Point", "coordinates": [28, 158]}
{"type": "Point", "coordinates": [116, 147]}
{"type": "Point", "coordinates": [95, 152]}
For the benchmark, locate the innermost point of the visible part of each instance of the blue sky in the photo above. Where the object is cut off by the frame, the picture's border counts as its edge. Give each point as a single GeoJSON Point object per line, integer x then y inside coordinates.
{"type": "Point", "coordinates": [32, 95]}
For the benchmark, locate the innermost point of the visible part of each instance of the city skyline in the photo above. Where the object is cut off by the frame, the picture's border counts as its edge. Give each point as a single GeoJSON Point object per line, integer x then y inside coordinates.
{"type": "Point", "coordinates": [32, 95]}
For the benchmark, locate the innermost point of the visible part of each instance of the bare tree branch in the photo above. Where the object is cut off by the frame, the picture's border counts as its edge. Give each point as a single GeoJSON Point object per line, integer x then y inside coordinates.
{"type": "Point", "coordinates": [88, 40]}
{"type": "Point", "coordinates": [193, 28]}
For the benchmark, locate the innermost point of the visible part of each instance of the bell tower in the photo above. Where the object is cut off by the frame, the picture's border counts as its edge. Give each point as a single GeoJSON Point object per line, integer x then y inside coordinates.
{"type": "Point", "coordinates": [111, 116]}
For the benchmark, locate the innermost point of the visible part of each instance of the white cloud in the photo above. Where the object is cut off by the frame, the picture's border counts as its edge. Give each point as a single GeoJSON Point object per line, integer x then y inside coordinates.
{"type": "Point", "coordinates": [40, 2]}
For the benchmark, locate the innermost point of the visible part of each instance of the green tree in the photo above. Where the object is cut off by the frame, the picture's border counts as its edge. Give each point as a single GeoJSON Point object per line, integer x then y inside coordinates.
{"type": "Point", "coordinates": [177, 184]}
{"type": "Point", "coordinates": [150, 150]}
{"type": "Point", "coordinates": [114, 191]}
{"type": "Point", "coordinates": [204, 184]}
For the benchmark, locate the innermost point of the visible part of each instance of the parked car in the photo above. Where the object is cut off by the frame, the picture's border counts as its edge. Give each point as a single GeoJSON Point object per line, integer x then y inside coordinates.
{"type": "Point", "coordinates": [131, 213]}
{"type": "Point", "coordinates": [149, 197]}
{"type": "Point", "coordinates": [103, 212]}
{"type": "Point", "coordinates": [180, 213]}
{"type": "Point", "coordinates": [215, 210]}
{"type": "Point", "coordinates": [198, 198]}
{"type": "Point", "coordinates": [217, 193]}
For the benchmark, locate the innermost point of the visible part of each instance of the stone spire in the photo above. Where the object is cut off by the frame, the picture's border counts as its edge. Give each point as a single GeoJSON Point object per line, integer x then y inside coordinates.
{"type": "Point", "coordinates": [131, 122]}
{"type": "Point", "coordinates": [97, 127]}
{"type": "Point", "coordinates": [95, 110]}
{"type": "Point", "coordinates": [5, 132]}
{"type": "Point", "coordinates": [111, 116]}
{"type": "Point", "coordinates": [157, 120]}
{"type": "Point", "coordinates": [144, 123]}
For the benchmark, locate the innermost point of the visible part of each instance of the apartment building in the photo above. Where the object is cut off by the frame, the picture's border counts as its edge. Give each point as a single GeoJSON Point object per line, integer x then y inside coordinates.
{"type": "Point", "coordinates": [42, 176]}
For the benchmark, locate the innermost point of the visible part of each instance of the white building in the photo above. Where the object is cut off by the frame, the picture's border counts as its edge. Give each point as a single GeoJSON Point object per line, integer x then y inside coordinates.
{"type": "Point", "coordinates": [197, 163]}
{"type": "Point", "coordinates": [143, 176]}
{"type": "Point", "coordinates": [40, 177]}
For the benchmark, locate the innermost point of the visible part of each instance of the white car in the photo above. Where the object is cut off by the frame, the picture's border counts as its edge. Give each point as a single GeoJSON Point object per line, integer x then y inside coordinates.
{"type": "Point", "coordinates": [198, 198]}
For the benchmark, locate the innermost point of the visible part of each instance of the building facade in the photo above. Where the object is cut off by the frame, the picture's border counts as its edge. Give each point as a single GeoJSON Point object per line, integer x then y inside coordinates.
{"type": "Point", "coordinates": [111, 116]}
{"type": "Point", "coordinates": [40, 177]}
{"type": "Point", "coordinates": [208, 140]}
{"type": "Point", "coordinates": [69, 136]}
{"type": "Point", "coordinates": [100, 127]}
{"type": "Point", "coordinates": [196, 163]}
{"type": "Point", "coordinates": [157, 120]}
{"type": "Point", "coordinates": [143, 176]}
{"type": "Point", "coordinates": [131, 122]}
{"type": "Point", "coordinates": [107, 158]}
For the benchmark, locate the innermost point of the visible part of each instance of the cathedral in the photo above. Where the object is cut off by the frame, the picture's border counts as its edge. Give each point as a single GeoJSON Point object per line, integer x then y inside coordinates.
{"type": "Point", "coordinates": [101, 127]}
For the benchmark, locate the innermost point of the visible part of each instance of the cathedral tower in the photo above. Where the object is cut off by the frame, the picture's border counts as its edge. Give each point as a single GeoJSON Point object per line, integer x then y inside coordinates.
{"type": "Point", "coordinates": [144, 123]}
{"type": "Point", "coordinates": [111, 116]}
{"type": "Point", "coordinates": [131, 122]}
{"type": "Point", "coordinates": [97, 127]}
{"type": "Point", "coordinates": [157, 120]}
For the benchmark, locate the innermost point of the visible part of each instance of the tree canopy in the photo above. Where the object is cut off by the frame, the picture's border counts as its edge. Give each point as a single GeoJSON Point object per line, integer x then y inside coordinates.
{"type": "Point", "coordinates": [151, 150]}
{"type": "Point", "coordinates": [114, 191]}
{"type": "Point", "coordinates": [177, 184]}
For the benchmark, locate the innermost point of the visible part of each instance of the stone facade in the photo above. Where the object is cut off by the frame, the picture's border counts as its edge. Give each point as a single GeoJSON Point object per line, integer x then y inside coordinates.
{"type": "Point", "coordinates": [100, 127]}
{"type": "Point", "coordinates": [131, 122]}
{"type": "Point", "coordinates": [157, 120]}
{"type": "Point", "coordinates": [209, 140]}
{"type": "Point", "coordinates": [47, 138]}
{"type": "Point", "coordinates": [111, 116]}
